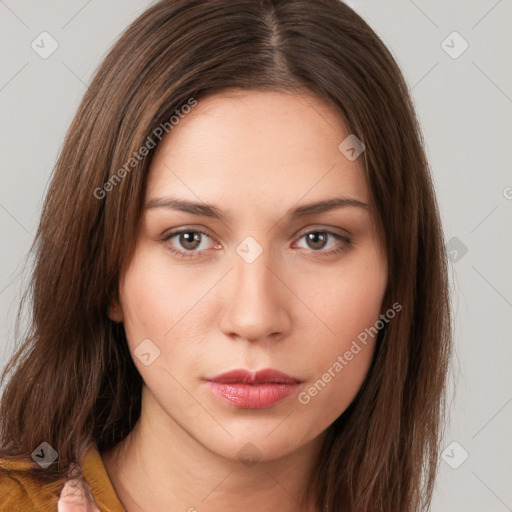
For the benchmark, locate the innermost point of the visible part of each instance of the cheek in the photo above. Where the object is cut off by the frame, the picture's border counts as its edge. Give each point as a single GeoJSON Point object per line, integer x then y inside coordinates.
{"type": "Point", "coordinates": [347, 299]}
{"type": "Point", "coordinates": [338, 367]}
{"type": "Point", "coordinates": [151, 304]}
{"type": "Point", "coordinates": [329, 394]}
{"type": "Point", "coordinates": [144, 309]}
{"type": "Point", "coordinates": [350, 307]}
{"type": "Point", "coordinates": [162, 302]}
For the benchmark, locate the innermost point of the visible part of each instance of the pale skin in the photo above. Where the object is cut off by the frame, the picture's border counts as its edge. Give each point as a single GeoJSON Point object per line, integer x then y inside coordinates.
{"type": "Point", "coordinates": [255, 156]}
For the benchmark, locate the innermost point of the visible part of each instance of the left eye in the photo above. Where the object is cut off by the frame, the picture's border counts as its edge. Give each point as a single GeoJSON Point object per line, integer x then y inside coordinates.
{"type": "Point", "coordinates": [318, 240]}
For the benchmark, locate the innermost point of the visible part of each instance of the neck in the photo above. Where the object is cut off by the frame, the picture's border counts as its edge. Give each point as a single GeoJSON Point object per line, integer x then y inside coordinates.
{"type": "Point", "coordinates": [160, 466]}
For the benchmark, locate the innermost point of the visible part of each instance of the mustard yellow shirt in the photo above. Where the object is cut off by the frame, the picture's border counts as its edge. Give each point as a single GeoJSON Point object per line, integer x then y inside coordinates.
{"type": "Point", "coordinates": [22, 492]}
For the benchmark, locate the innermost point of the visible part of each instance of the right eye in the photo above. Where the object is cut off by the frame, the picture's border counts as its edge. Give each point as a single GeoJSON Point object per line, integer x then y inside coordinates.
{"type": "Point", "coordinates": [191, 241]}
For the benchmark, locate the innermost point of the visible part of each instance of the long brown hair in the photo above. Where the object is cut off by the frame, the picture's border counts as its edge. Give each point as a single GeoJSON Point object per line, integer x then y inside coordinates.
{"type": "Point", "coordinates": [382, 453]}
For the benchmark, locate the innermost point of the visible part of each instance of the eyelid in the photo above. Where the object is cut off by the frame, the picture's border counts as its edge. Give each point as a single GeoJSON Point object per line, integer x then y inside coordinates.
{"type": "Point", "coordinates": [340, 239]}
{"type": "Point", "coordinates": [298, 234]}
{"type": "Point", "coordinates": [328, 229]}
{"type": "Point", "coordinates": [182, 229]}
{"type": "Point", "coordinates": [187, 229]}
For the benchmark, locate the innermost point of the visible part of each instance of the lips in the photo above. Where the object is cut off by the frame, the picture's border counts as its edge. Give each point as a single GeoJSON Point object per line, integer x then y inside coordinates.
{"type": "Point", "coordinates": [247, 389]}
{"type": "Point", "coordinates": [266, 376]}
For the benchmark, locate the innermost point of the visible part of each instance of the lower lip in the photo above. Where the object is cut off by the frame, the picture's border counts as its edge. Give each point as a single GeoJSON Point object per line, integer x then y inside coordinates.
{"type": "Point", "coordinates": [252, 396]}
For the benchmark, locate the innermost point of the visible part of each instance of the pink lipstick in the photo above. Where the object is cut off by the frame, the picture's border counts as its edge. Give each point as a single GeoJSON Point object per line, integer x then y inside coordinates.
{"type": "Point", "coordinates": [253, 390]}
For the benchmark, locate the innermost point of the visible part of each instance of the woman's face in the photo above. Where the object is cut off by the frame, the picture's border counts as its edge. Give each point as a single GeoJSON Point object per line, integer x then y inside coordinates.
{"type": "Point", "coordinates": [259, 278]}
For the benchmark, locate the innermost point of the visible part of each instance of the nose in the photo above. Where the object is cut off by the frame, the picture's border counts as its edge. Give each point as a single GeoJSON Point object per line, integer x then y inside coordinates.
{"type": "Point", "coordinates": [257, 301]}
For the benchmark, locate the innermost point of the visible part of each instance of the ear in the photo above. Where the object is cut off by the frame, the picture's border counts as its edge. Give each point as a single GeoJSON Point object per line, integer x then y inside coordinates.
{"type": "Point", "coordinates": [115, 311]}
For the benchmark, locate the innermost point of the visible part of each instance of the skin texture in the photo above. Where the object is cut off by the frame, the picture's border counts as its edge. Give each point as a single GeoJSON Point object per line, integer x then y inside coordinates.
{"type": "Point", "coordinates": [254, 155]}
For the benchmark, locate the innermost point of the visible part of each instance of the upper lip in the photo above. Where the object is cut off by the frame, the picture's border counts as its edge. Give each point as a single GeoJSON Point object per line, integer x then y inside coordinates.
{"type": "Point", "coordinates": [265, 376]}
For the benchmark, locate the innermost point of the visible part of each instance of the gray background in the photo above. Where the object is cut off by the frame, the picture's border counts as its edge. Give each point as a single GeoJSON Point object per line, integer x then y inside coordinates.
{"type": "Point", "coordinates": [464, 106]}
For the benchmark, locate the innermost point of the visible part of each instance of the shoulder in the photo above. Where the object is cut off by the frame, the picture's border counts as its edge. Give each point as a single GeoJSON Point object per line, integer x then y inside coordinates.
{"type": "Point", "coordinates": [23, 491]}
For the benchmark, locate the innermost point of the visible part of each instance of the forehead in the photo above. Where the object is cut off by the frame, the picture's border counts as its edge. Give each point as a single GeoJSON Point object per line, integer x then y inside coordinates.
{"type": "Point", "coordinates": [252, 145]}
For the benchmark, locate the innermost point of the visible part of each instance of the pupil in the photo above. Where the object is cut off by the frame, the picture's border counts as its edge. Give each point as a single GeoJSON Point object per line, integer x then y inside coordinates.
{"type": "Point", "coordinates": [190, 238]}
{"type": "Point", "coordinates": [314, 237]}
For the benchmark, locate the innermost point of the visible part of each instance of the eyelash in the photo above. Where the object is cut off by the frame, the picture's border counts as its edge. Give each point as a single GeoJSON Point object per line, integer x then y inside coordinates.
{"type": "Point", "coordinates": [346, 243]}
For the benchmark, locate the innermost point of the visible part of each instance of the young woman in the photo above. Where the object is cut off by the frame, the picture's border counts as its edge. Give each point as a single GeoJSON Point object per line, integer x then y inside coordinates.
{"type": "Point", "coordinates": [239, 299]}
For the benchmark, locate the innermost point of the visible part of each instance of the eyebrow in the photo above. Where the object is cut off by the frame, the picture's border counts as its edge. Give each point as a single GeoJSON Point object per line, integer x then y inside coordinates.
{"type": "Point", "coordinates": [209, 210]}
